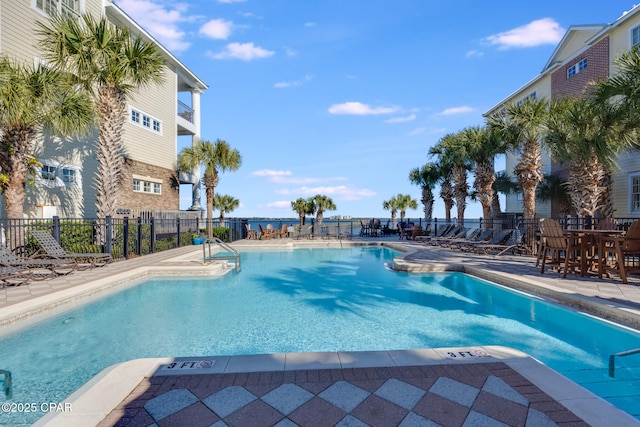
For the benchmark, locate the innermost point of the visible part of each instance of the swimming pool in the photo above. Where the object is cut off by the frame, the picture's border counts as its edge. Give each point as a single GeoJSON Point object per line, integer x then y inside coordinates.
{"type": "Point", "coordinates": [311, 300]}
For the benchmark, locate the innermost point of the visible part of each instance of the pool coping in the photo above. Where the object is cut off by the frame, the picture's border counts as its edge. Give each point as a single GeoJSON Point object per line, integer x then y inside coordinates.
{"type": "Point", "coordinates": [99, 396]}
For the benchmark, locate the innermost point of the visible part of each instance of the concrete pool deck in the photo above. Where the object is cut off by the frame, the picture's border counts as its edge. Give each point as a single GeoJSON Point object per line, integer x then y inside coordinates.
{"type": "Point", "coordinates": [127, 394]}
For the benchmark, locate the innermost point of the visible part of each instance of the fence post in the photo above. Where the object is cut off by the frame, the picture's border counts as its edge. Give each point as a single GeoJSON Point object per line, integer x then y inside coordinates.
{"type": "Point", "coordinates": [56, 228]}
{"type": "Point", "coordinates": [178, 229]}
{"type": "Point", "coordinates": [139, 242]}
{"type": "Point", "coordinates": [108, 244]}
{"type": "Point", "coordinates": [152, 237]}
{"type": "Point", "coordinates": [125, 236]}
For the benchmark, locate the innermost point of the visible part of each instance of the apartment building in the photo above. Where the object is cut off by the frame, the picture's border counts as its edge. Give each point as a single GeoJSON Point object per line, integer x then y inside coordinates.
{"type": "Point", "coordinates": [157, 116]}
{"type": "Point", "coordinates": [585, 54]}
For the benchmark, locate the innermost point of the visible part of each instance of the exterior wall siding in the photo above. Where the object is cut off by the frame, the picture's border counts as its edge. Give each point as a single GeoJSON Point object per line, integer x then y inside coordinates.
{"type": "Point", "coordinates": [597, 58]}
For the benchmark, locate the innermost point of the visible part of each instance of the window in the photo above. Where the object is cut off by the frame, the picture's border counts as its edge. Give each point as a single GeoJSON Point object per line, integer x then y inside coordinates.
{"type": "Point", "coordinates": [67, 8]}
{"type": "Point", "coordinates": [55, 174]}
{"type": "Point", "coordinates": [577, 68]}
{"type": "Point", "coordinates": [532, 97]}
{"type": "Point", "coordinates": [148, 185]}
{"type": "Point", "coordinates": [48, 172]}
{"type": "Point", "coordinates": [635, 36]}
{"type": "Point", "coordinates": [634, 192]}
{"type": "Point", "coordinates": [69, 175]}
{"type": "Point", "coordinates": [145, 120]}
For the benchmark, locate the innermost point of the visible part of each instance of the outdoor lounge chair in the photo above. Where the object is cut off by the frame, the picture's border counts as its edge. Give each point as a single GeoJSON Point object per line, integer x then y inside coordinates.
{"type": "Point", "coordinates": [306, 231]}
{"type": "Point", "coordinates": [482, 237]}
{"type": "Point", "coordinates": [266, 233]}
{"type": "Point", "coordinates": [42, 266]}
{"type": "Point", "coordinates": [463, 233]}
{"type": "Point", "coordinates": [514, 244]}
{"type": "Point", "coordinates": [449, 232]}
{"type": "Point", "coordinates": [499, 238]}
{"type": "Point", "coordinates": [251, 234]}
{"type": "Point", "coordinates": [14, 276]}
{"type": "Point", "coordinates": [51, 247]}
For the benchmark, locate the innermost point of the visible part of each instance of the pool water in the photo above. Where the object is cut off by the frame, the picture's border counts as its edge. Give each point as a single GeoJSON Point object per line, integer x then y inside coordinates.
{"type": "Point", "coordinates": [311, 300]}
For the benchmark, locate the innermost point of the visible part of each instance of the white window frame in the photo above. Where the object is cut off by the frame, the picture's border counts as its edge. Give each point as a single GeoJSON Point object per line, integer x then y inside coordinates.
{"type": "Point", "coordinates": [57, 175]}
{"type": "Point", "coordinates": [632, 208]}
{"type": "Point", "coordinates": [631, 41]}
{"type": "Point", "coordinates": [144, 120]}
{"type": "Point", "coordinates": [532, 96]}
{"type": "Point", "coordinates": [576, 68]}
{"type": "Point", "coordinates": [147, 185]}
{"type": "Point", "coordinates": [59, 5]}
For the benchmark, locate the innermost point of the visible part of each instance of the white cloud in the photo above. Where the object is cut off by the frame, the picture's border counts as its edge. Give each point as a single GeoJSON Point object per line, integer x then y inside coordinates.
{"type": "Point", "coordinates": [309, 24]}
{"type": "Point", "coordinates": [279, 205]}
{"type": "Point", "coordinates": [408, 118]}
{"type": "Point", "coordinates": [270, 173]}
{"type": "Point", "coordinates": [535, 33]}
{"type": "Point", "coordinates": [243, 51]}
{"type": "Point", "coordinates": [474, 54]}
{"type": "Point", "coordinates": [417, 131]}
{"type": "Point", "coordinates": [160, 21]}
{"type": "Point", "coordinates": [299, 82]}
{"type": "Point", "coordinates": [217, 29]}
{"type": "Point", "coordinates": [358, 108]}
{"type": "Point", "coordinates": [456, 110]}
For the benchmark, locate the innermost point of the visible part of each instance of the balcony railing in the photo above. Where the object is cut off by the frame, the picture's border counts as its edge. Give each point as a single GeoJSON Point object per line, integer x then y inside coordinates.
{"type": "Point", "coordinates": [185, 111]}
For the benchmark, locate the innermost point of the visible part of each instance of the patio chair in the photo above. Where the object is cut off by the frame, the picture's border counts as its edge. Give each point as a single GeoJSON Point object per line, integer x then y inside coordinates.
{"type": "Point", "coordinates": [42, 266]}
{"type": "Point", "coordinates": [554, 243]}
{"type": "Point", "coordinates": [266, 234]}
{"type": "Point", "coordinates": [283, 232]}
{"type": "Point", "coordinates": [251, 234]}
{"type": "Point", "coordinates": [14, 276]}
{"type": "Point", "coordinates": [461, 234]}
{"type": "Point", "coordinates": [514, 244]}
{"type": "Point", "coordinates": [53, 248]}
{"type": "Point", "coordinates": [626, 250]}
{"type": "Point", "coordinates": [449, 232]}
{"type": "Point", "coordinates": [415, 232]}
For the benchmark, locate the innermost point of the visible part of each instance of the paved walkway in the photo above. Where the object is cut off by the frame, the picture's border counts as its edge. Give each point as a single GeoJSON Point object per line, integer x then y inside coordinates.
{"type": "Point", "coordinates": [490, 394]}
{"type": "Point", "coordinates": [494, 394]}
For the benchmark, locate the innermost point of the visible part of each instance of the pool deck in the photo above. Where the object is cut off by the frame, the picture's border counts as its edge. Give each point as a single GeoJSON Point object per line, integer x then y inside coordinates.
{"type": "Point", "coordinates": [463, 386]}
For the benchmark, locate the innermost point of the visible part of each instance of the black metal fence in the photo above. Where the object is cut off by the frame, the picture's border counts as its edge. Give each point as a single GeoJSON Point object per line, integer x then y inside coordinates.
{"type": "Point", "coordinates": [126, 237]}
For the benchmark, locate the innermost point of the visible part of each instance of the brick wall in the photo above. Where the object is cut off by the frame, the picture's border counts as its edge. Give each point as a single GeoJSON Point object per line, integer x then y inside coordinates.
{"type": "Point", "coordinates": [168, 200]}
{"type": "Point", "coordinates": [597, 68]}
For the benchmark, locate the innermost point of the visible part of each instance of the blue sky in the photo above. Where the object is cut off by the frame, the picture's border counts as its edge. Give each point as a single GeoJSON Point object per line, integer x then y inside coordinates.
{"type": "Point", "coordinates": [345, 97]}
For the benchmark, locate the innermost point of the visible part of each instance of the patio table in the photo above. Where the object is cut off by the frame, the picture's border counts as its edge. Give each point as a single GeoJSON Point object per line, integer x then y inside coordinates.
{"type": "Point", "coordinates": [587, 242]}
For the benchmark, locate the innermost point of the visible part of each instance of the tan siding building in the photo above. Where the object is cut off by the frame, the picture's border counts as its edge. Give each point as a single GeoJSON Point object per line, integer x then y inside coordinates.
{"type": "Point", "coordinates": [585, 54]}
{"type": "Point", "coordinates": [64, 185]}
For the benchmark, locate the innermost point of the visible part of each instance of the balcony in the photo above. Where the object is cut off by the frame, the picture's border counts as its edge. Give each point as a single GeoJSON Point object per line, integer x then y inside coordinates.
{"type": "Point", "coordinates": [185, 120]}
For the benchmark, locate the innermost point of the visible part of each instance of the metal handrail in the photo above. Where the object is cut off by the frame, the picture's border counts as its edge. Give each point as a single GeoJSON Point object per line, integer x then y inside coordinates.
{"type": "Point", "coordinates": [8, 390]}
{"type": "Point", "coordinates": [235, 255]}
{"type": "Point", "coordinates": [612, 359]}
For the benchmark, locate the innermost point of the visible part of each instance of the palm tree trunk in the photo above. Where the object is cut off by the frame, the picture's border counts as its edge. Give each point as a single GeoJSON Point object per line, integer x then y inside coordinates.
{"type": "Point", "coordinates": [529, 173]}
{"type": "Point", "coordinates": [446, 192]}
{"type": "Point", "coordinates": [584, 181]}
{"type": "Point", "coordinates": [483, 184]}
{"type": "Point", "coordinates": [209, 196]}
{"type": "Point", "coordinates": [605, 204]}
{"type": "Point", "coordinates": [394, 218]}
{"type": "Point", "coordinates": [461, 190]}
{"type": "Point", "coordinates": [427, 202]}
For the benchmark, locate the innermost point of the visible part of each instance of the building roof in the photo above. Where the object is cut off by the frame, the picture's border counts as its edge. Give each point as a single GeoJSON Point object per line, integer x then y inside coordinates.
{"type": "Point", "coordinates": [187, 78]}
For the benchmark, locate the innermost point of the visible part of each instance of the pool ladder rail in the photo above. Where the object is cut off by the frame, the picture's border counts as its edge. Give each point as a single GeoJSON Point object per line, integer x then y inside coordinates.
{"type": "Point", "coordinates": [612, 359]}
{"type": "Point", "coordinates": [208, 256]}
{"type": "Point", "coordinates": [8, 390]}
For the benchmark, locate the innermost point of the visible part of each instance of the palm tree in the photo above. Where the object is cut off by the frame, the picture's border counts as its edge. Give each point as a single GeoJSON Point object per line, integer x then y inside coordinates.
{"type": "Point", "coordinates": [322, 203]}
{"type": "Point", "coordinates": [111, 63]}
{"type": "Point", "coordinates": [482, 145]}
{"type": "Point", "coordinates": [522, 126]}
{"type": "Point", "coordinates": [225, 204]}
{"type": "Point", "coordinates": [452, 152]}
{"type": "Point", "coordinates": [33, 100]}
{"type": "Point", "coordinates": [303, 207]}
{"type": "Point", "coordinates": [504, 184]}
{"type": "Point", "coordinates": [426, 177]}
{"type": "Point", "coordinates": [391, 205]}
{"type": "Point", "coordinates": [446, 189]}
{"type": "Point", "coordinates": [216, 157]}
{"type": "Point", "coordinates": [553, 188]}
{"type": "Point", "coordinates": [405, 201]}
{"type": "Point", "coordinates": [586, 135]}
